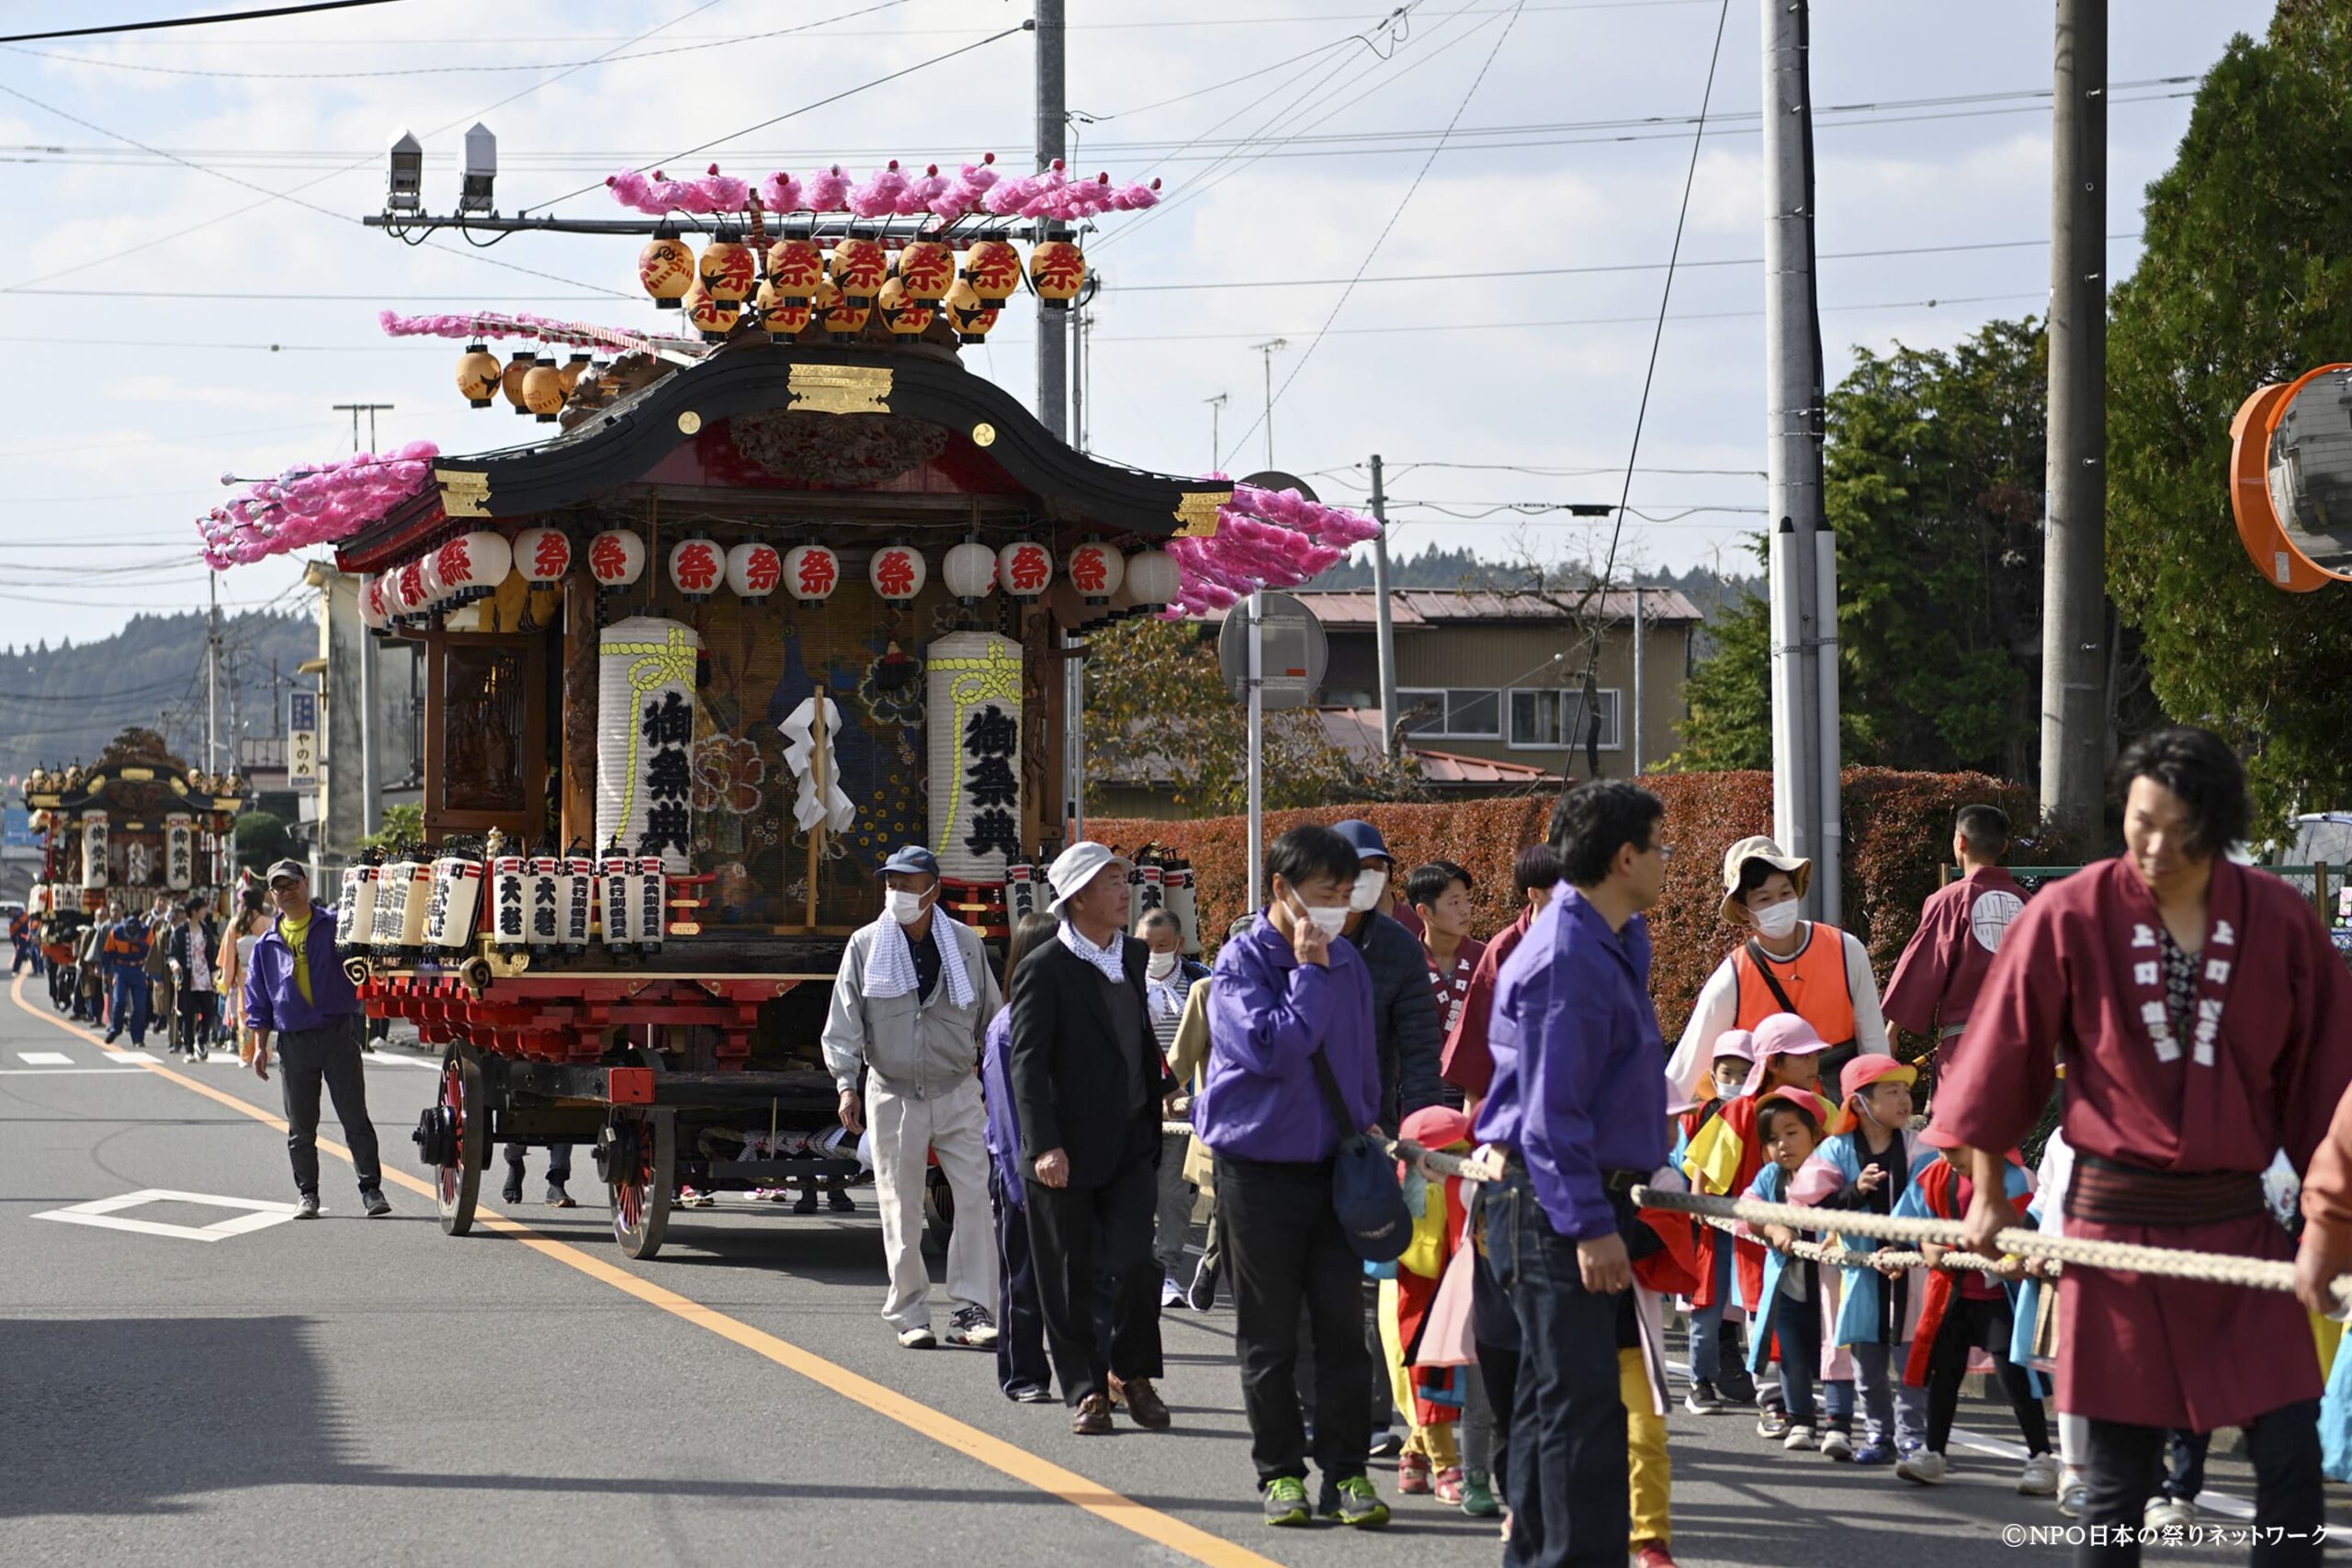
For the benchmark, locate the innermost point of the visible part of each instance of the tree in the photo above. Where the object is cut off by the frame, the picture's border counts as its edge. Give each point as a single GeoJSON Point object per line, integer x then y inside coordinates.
{"type": "Point", "coordinates": [2246, 278]}
{"type": "Point", "coordinates": [1932, 482]}
{"type": "Point", "coordinates": [401, 825]}
{"type": "Point", "coordinates": [262, 840]}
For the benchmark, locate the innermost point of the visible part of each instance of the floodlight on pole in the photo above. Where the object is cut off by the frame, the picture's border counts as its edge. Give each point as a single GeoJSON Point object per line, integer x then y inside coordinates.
{"type": "Point", "coordinates": [482, 169]}
{"type": "Point", "coordinates": [1268, 348]}
{"type": "Point", "coordinates": [405, 191]}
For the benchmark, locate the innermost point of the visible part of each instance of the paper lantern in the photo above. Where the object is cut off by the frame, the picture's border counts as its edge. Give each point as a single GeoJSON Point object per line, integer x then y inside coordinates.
{"type": "Point", "coordinates": [1057, 271]}
{"type": "Point", "coordinates": [843, 316]}
{"type": "Point", "coordinates": [969, 572]}
{"type": "Point", "coordinates": [94, 849]}
{"type": "Point", "coordinates": [972, 319]}
{"type": "Point", "coordinates": [454, 898]}
{"type": "Point", "coordinates": [697, 568]}
{"type": "Point", "coordinates": [993, 269]}
{"type": "Point", "coordinates": [666, 267]}
{"type": "Point", "coordinates": [973, 735]}
{"type": "Point", "coordinates": [179, 851]}
{"type": "Point", "coordinates": [543, 389]}
{"type": "Point", "coordinates": [901, 312]}
{"type": "Point", "coordinates": [1025, 568]}
{"type": "Point", "coordinates": [896, 572]}
{"type": "Point", "coordinates": [795, 267]}
{"type": "Point", "coordinates": [373, 611]}
{"type": "Point", "coordinates": [653, 903]}
{"type": "Point", "coordinates": [574, 368]}
{"type": "Point", "coordinates": [575, 887]}
{"type": "Point", "coordinates": [402, 891]}
{"type": "Point", "coordinates": [510, 901]}
{"type": "Point", "coordinates": [711, 317]}
{"type": "Point", "coordinates": [645, 733]}
{"type": "Point", "coordinates": [781, 316]}
{"type": "Point", "coordinates": [753, 570]}
{"type": "Point", "coordinates": [1153, 578]}
{"type": "Point", "coordinates": [927, 268]}
{"type": "Point", "coordinates": [728, 268]}
{"type": "Point", "coordinates": [616, 880]}
{"type": "Point", "coordinates": [473, 565]}
{"type": "Point", "coordinates": [542, 555]}
{"type": "Point", "coordinates": [616, 559]}
{"type": "Point", "coordinates": [1095, 571]}
{"type": "Point", "coordinates": [510, 380]}
{"type": "Point", "coordinates": [858, 267]}
{"type": "Point", "coordinates": [543, 884]}
{"type": "Point", "coordinates": [479, 375]}
{"type": "Point", "coordinates": [355, 910]}
{"type": "Point", "coordinates": [811, 573]}
{"type": "Point", "coordinates": [433, 593]}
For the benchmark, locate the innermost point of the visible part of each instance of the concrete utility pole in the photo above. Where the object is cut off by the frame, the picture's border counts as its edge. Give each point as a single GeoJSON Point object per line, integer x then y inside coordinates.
{"type": "Point", "coordinates": [1217, 449]}
{"type": "Point", "coordinates": [1804, 611]}
{"type": "Point", "coordinates": [1640, 626]}
{"type": "Point", "coordinates": [1268, 349]}
{"type": "Point", "coordinates": [2074, 558]}
{"type": "Point", "coordinates": [1053, 141]}
{"type": "Point", "coordinates": [1388, 629]}
{"type": "Point", "coordinates": [213, 673]}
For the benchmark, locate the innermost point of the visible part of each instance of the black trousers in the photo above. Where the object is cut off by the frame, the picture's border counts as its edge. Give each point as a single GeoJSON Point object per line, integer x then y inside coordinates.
{"type": "Point", "coordinates": [1286, 1246]}
{"type": "Point", "coordinates": [197, 1010]}
{"type": "Point", "coordinates": [306, 1059]}
{"type": "Point", "coordinates": [2125, 1462]}
{"type": "Point", "coordinates": [1967, 1323]}
{"type": "Point", "coordinates": [1020, 1319]}
{"type": "Point", "coordinates": [1074, 1231]}
{"type": "Point", "coordinates": [1380, 1413]}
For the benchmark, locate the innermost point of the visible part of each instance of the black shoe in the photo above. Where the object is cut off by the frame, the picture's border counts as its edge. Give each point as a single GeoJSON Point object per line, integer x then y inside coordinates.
{"type": "Point", "coordinates": [840, 1202]}
{"type": "Point", "coordinates": [806, 1204]}
{"type": "Point", "coordinates": [1201, 1294]}
{"type": "Point", "coordinates": [1384, 1445]}
{"type": "Point", "coordinates": [376, 1204]}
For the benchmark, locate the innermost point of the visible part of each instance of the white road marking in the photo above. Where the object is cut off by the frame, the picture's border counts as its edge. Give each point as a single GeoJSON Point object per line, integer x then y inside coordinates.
{"type": "Point", "coordinates": [104, 1214]}
{"type": "Point", "coordinates": [67, 1072]}
{"type": "Point", "coordinates": [382, 1058]}
{"type": "Point", "coordinates": [122, 1055]}
{"type": "Point", "coordinates": [45, 1058]}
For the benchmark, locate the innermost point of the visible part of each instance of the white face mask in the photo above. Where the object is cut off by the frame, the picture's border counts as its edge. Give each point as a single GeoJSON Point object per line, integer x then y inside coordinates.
{"type": "Point", "coordinates": [902, 906]}
{"type": "Point", "coordinates": [1778, 921]}
{"type": "Point", "coordinates": [1161, 965]}
{"type": "Point", "coordinates": [1330, 920]}
{"type": "Point", "coordinates": [1369, 886]}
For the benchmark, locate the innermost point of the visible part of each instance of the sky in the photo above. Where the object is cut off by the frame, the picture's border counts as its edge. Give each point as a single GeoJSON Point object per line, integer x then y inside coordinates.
{"type": "Point", "coordinates": [192, 291]}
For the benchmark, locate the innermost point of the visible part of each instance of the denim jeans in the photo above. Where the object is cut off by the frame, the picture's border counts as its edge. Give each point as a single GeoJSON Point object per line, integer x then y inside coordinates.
{"type": "Point", "coordinates": [1897, 1413]}
{"type": "Point", "coordinates": [1707, 1322]}
{"type": "Point", "coordinates": [130, 1004]}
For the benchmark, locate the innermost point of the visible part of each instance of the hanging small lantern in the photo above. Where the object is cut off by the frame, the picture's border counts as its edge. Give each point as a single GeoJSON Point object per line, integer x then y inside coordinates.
{"type": "Point", "coordinates": [844, 317]}
{"type": "Point", "coordinates": [753, 570]}
{"type": "Point", "coordinates": [510, 380]}
{"type": "Point", "coordinates": [729, 269]}
{"type": "Point", "coordinates": [1095, 571]}
{"type": "Point", "coordinates": [780, 315]}
{"type": "Point", "coordinates": [543, 555]}
{"type": "Point", "coordinates": [429, 579]}
{"type": "Point", "coordinates": [903, 313]}
{"type": "Point", "coordinates": [1153, 578]}
{"type": "Point", "coordinates": [811, 573]}
{"type": "Point", "coordinates": [473, 565]}
{"type": "Point", "coordinates": [616, 559]}
{"type": "Point", "coordinates": [1025, 567]}
{"type": "Point", "coordinates": [574, 368]}
{"type": "Point", "coordinates": [373, 611]}
{"type": "Point", "coordinates": [696, 567]}
{"type": "Point", "coordinates": [858, 268]}
{"type": "Point", "coordinates": [1057, 271]}
{"type": "Point", "coordinates": [972, 319]}
{"type": "Point", "coordinates": [897, 573]}
{"type": "Point", "coordinates": [403, 594]}
{"type": "Point", "coordinates": [713, 318]}
{"type": "Point", "coordinates": [993, 269]}
{"type": "Point", "coordinates": [969, 572]}
{"type": "Point", "coordinates": [795, 267]}
{"type": "Point", "coordinates": [477, 376]}
{"type": "Point", "coordinates": [927, 268]}
{"type": "Point", "coordinates": [666, 267]}
{"type": "Point", "coordinates": [543, 389]}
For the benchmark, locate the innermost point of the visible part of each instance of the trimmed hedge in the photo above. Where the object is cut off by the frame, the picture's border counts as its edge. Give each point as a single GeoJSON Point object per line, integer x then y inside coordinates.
{"type": "Point", "coordinates": [1898, 836]}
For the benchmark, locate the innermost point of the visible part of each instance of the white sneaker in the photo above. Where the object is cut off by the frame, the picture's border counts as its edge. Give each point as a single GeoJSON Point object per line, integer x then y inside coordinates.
{"type": "Point", "coordinates": [2170, 1514]}
{"type": "Point", "coordinates": [1801, 1438]}
{"type": "Point", "coordinates": [1927, 1467]}
{"type": "Point", "coordinates": [917, 1339]}
{"type": "Point", "coordinates": [2039, 1476]}
{"type": "Point", "coordinates": [1837, 1445]}
{"type": "Point", "coordinates": [2073, 1496]}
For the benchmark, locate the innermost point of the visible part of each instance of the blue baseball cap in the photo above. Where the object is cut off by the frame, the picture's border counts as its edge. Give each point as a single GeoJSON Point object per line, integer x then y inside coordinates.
{"type": "Point", "coordinates": [1364, 837]}
{"type": "Point", "coordinates": [911, 858]}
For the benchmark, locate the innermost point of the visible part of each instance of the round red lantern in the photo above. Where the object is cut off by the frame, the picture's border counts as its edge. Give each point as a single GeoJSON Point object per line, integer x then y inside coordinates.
{"type": "Point", "coordinates": [728, 268]}
{"type": "Point", "coordinates": [969, 572]}
{"type": "Point", "coordinates": [542, 555]}
{"type": "Point", "coordinates": [897, 573]}
{"type": "Point", "coordinates": [615, 558]}
{"type": "Point", "coordinates": [473, 565]}
{"type": "Point", "coordinates": [697, 568]}
{"type": "Point", "coordinates": [811, 573]}
{"type": "Point", "coordinates": [666, 267]}
{"type": "Point", "coordinates": [754, 570]}
{"type": "Point", "coordinates": [1095, 571]}
{"type": "Point", "coordinates": [1025, 567]}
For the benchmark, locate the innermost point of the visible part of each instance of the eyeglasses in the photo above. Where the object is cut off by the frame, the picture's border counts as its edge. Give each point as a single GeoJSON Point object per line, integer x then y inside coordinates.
{"type": "Point", "coordinates": [1665, 851]}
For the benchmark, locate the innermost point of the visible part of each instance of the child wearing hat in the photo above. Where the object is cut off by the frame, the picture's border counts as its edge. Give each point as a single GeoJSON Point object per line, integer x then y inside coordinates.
{"type": "Point", "coordinates": [1797, 1301]}
{"type": "Point", "coordinates": [1439, 1401]}
{"type": "Point", "coordinates": [1734, 1059]}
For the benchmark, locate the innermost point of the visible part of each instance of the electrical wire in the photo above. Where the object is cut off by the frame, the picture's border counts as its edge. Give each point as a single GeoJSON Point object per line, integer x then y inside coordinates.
{"type": "Point", "coordinates": [213, 20]}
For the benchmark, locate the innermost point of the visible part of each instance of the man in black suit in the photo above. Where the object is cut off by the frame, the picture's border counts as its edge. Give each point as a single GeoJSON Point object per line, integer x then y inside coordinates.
{"type": "Point", "coordinates": [1087, 1082]}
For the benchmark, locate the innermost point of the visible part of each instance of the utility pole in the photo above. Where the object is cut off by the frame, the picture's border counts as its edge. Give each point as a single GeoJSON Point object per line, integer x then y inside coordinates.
{"type": "Point", "coordinates": [2074, 558]}
{"type": "Point", "coordinates": [1804, 683]}
{"type": "Point", "coordinates": [1640, 626]}
{"type": "Point", "coordinates": [213, 673]}
{"type": "Point", "coordinates": [355, 411]}
{"type": "Point", "coordinates": [1268, 349]}
{"type": "Point", "coordinates": [1387, 631]}
{"type": "Point", "coordinates": [1216, 447]}
{"type": "Point", "coordinates": [1053, 140]}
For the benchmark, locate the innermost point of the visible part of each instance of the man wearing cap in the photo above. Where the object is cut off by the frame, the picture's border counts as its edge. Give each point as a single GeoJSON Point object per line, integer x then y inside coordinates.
{"type": "Point", "coordinates": [1786, 965]}
{"type": "Point", "coordinates": [910, 1007]}
{"type": "Point", "coordinates": [1944, 964]}
{"type": "Point", "coordinates": [1403, 1009]}
{"type": "Point", "coordinates": [296, 990]}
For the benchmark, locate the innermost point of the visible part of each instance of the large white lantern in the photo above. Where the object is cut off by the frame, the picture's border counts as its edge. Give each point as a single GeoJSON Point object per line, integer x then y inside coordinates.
{"type": "Point", "coordinates": [472, 565]}
{"type": "Point", "coordinates": [969, 572]}
{"type": "Point", "coordinates": [179, 851]}
{"type": "Point", "coordinates": [811, 573]}
{"type": "Point", "coordinates": [94, 849]}
{"type": "Point", "coordinates": [697, 568]}
{"type": "Point", "coordinates": [404, 590]}
{"type": "Point", "coordinates": [754, 570]}
{"type": "Point", "coordinates": [1095, 571]}
{"type": "Point", "coordinates": [974, 737]}
{"type": "Point", "coordinates": [1024, 569]}
{"type": "Point", "coordinates": [435, 592]}
{"type": "Point", "coordinates": [373, 610]}
{"type": "Point", "coordinates": [543, 555]}
{"type": "Point", "coordinates": [645, 733]}
{"type": "Point", "coordinates": [1153, 578]}
{"type": "Point", "coordinates": [897, 573]}
{"type": "Point", "coordinates": [615, 558]}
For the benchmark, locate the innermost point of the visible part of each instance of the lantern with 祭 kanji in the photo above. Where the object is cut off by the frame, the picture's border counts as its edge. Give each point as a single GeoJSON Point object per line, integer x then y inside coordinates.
{"type": "Point", "coordinates": [858, 268]}
{"type": "Point", "coordinates": [781, 316]}
{"type": "Point", "coordinates": [903, 313]}
{"type": "Point", "coordinates": [477, 376]}
{"type": "Point", "coordinates": [473, 565]}
{"type": "Point", "coordinates": [993, 269]}
{"type": "Point", "coordinates": [926, 267]}
{"type": "Point", "coordinates": [712, 318]}
{"type": "Point", "coordinates": [728, 268]}
{"type": "Point", "coordinates": [666, 267]}
{"type": "Point", "coordinates": [696, 567]}
{"type": "Point", "coordinates": [1057, 271]}
{"type": "Point", "coordinates": [971, 319]}
{"type": "Point", "coordinates": [1095, 571]}
{"type": "Point", "coordinates": [373, 610]}
{"type": "Point", "coordinates": [615, 558]}
{"type": "Point", "coordinates": [542, 555]}
{"type": "Point", "coordinates": [896, 572]}
{"type": "Point", "coordinates": [844, 317]}
{"type": "Point", "coordinates": [811, 573]}
{"type": "Point", "coordinates": [432, 591]}
{"type": "Point", "coordinates": [404, 591]}
{"type": "Point", "coordinates": [1025, 568]}
{"type": "Point", "coordinates": [753, 570]}
{"type": "Point", "coordinates": [969, 572]}
{"type": "Point", "coordinates": [796, 268]}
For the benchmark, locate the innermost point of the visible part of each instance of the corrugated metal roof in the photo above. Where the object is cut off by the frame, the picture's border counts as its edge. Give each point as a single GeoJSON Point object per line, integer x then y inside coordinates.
{"type": "Point", "coordinates": [1437, 606]}
{"type": "Point", "coordinates": [1357, 732]}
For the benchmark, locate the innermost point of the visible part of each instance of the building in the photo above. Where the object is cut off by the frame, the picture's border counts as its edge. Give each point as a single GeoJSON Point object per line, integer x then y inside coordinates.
{"type": "Point", "coordinates": [355, 668]}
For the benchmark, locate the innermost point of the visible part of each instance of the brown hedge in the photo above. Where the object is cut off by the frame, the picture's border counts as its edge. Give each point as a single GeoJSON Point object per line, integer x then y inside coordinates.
{"type": "Point", "coordinates": [1898, 836]}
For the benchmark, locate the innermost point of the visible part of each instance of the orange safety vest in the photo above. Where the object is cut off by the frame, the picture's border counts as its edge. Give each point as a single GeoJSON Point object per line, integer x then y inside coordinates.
{"type": "Point", "coordinates": [1814, 980]}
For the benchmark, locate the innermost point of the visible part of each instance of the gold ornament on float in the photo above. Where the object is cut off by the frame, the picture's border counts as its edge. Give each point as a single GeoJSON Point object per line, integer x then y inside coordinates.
{"type": "Point", "coordinates": [477, 376]}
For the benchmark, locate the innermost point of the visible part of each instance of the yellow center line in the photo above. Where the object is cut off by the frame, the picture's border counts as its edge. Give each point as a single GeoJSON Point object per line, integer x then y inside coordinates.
{"type": "Point", "coordinates": [1164, 1530]}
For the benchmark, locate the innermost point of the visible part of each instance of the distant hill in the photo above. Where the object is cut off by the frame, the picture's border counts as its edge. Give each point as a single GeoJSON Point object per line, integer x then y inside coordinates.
{"type": "Point", "coordinates": [63, 703]}
{"type": "Point", "coordinates": [1435, 568]}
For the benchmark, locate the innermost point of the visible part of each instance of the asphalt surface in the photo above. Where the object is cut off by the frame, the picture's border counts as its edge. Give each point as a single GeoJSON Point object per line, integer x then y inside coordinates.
{"type": "Point", "coordinates": [353, 1392]}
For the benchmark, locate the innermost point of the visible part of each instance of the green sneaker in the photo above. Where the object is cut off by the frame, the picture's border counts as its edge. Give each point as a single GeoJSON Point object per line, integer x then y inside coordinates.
{"type": "Point", "coordinates": [1478, 1497]}
{"type": "Point", "coordinates": [1353, 1503]}
{"type": "Point", "coordinates": [1286, 1502]}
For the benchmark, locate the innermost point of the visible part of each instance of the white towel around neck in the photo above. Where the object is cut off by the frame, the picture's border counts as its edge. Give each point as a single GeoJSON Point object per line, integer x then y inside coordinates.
{"type": "Point", "coordinates": [890, 962]}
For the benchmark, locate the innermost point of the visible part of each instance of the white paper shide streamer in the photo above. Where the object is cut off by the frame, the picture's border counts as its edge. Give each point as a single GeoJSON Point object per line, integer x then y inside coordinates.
{"type": "Point", "coordinates": [645, 683]}
{"type": "Point", "coordinates": [973, 732]}
{"type": "Point", "coordinates": [836, 810]}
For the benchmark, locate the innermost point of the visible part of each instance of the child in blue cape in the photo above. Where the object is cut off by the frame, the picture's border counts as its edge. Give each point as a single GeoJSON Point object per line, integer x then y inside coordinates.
{"type": "Point", "coordinates": [1796, 1300]}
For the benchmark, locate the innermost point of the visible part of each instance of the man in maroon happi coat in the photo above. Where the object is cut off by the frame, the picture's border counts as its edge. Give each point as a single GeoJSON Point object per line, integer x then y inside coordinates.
{"type": "Point", "coordinates": [1944, 967]}
{"type": "Point", "coordinates": [2206, 1024]}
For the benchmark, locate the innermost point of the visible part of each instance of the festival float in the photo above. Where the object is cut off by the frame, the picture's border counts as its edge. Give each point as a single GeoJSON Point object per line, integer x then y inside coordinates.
{"type": "Point", "coordinates": [784, 586]}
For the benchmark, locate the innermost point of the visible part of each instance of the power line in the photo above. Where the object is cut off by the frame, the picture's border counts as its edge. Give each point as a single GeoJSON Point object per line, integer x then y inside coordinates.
{"type": "Point", "coordinates": [195, 21]}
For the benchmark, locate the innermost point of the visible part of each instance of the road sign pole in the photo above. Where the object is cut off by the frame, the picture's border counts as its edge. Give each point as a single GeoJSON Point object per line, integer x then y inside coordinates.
{"type": "Point", "coordinates": [1257, 749]}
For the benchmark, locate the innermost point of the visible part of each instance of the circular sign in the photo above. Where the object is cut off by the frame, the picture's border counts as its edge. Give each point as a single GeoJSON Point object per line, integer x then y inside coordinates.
{"type": "Point", "coordinates": [1290, 670]}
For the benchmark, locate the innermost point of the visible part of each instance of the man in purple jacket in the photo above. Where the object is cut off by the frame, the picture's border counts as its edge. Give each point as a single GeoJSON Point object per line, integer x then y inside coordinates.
{"type": "Point", "coordinates": [1282, 992]}
{"type": "Point", "coordinates": [296, 990]}
{"type": "Point", "coordinates": [1578, 1109]}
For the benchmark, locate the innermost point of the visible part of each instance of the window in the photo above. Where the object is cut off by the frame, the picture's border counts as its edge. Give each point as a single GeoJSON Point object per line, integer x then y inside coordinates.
{"type": "Point", "coordinates": [1554, 719]}
{"type": "Point", "coordinates": [1463, 713]}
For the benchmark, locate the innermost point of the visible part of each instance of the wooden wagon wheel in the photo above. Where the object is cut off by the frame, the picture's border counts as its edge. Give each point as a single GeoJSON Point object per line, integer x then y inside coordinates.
{"type": "Point", "coordinates": [467, 1121]}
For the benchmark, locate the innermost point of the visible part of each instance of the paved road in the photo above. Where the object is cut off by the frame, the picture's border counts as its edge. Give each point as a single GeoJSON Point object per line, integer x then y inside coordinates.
{"type": "Point", "coordinates": [357, 1392]}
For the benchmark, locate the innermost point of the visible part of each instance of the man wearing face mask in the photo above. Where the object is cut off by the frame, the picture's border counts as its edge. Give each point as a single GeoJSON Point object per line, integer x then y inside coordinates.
{"type": "Point", "coordinates": [1407, 1033]}
{"type": "Point", "coordinates": [1786, 965]}
{"type": "Point", "coordinates": [910, 1006]}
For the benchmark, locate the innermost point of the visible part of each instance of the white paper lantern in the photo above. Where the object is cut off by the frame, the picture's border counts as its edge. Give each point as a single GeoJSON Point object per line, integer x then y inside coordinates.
{"type": "Point", "coordinates": [653, 903]}
{"type": "Point", "coordinates": [969, 572]}
{"type": "Point", "coordinates": [1095, 571]}
{"type": "Point", "coordinates": [1024, 569]}
{"type": "Point", "coordinates": [94, 849]}
{"type": "Point", "coordinates": [449, 909]}
{"type": "Point", "coordinates": [697, 568]}
{"type": "Point", "coordinates": [355, 909]}
{"type": "Point", "coordinates": [811, 573]}
{"type": "Point", "coordinates": [617, 880]}
{"type": "Point", "coordinates": [179, 851]}
{"type": "Point", "coordinates": [615, 558]}
{"type": "Point", "coordinates": [645, 733]}
{"type": "Point", "coordinates": [543, 891]}
{"type": "Point", "coordinates": [473, 565]}
{"type": "Point", "coordinates": [897, 573]}
{"type": "Point", "coordinates": [576, 899]}
{"type": "Point", "coordinates": [373, 610]}
{"type": "Point", "coordinates": [974, 739]}
{"type": "Point", "coordinates": [510, 900]}
{"type": "Point", "coordinates": [754, 570]}
{"type": "Point", "coordinates": [404, 590]}
{"type": "Point", "coordinates": [1153, 578]}
{"type": "Point", "coordinates": [437, 591]}
{"type": "Point", "coordinates": [543, 555]}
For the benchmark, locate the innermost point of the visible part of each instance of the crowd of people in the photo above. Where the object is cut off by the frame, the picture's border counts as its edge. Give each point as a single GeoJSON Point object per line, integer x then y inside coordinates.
{"type": "Point", "coordinates": [170, 965]}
